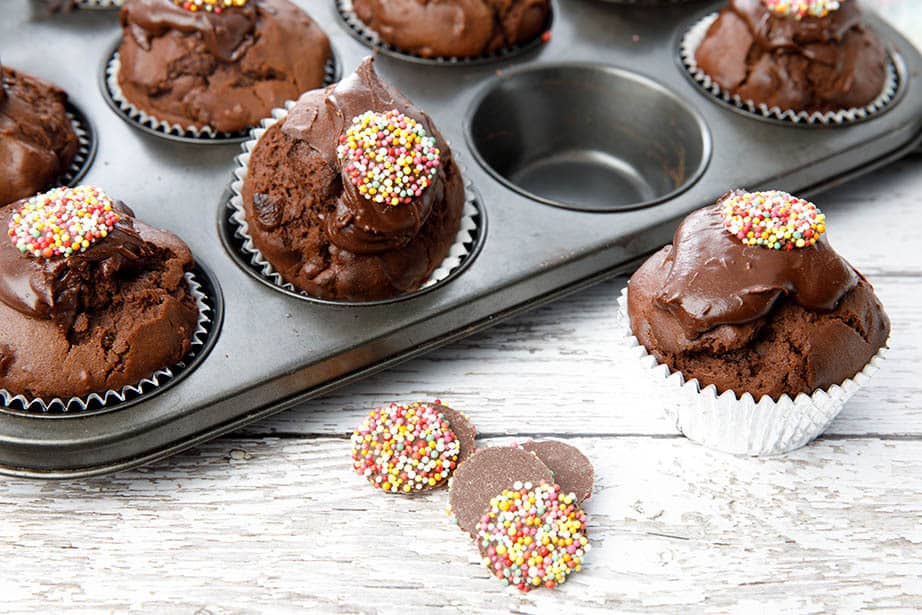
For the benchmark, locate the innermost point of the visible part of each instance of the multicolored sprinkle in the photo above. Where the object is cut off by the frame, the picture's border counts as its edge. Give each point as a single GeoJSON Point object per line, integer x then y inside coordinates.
{"type": "Point", "coordinates": [533, 536]}
{"type": "Point", "coordinates": [388, 157]}
{"type": "Point", "coordinates": [62, 222]}
{"type": "Point", "coordinates": [798, 9]}
{"type": "Point", "coordinates": [405, 449]}
{"type": "Point", "coordinates": [773, 219]}
{"type": "Point", "coordinates": [209, 6]}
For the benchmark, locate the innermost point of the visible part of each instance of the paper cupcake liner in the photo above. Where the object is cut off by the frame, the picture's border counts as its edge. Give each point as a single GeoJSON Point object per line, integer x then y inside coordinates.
{"type": "Point", "coordinates": [689, 46]}
{"type": "Point", "coordinates": [739, 424]}
{"type": "Point", "coordinates": [365, 35]}
{"type": "Point", "coordinates": [205, 134]}
{"type": "Point", "coordinates": [75, 405]}
{"type": "Point", "coordinates": [84, 157]}
{"type": "Point", "coordinates": [98, 4]}
{"type": "Point", "coordinates": [459, 252]}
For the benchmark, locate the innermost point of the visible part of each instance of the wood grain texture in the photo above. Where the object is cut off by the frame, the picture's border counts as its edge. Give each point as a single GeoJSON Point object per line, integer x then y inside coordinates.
{"type": "Point", "coordinates": [272, 519]}
{"type": "Point", "coordinates": [248, 525]}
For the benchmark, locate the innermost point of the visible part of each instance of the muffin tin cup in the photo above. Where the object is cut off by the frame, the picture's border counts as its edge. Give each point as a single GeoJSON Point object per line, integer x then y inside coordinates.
{"type": "Point", "coordinates": [368, 37]}
{"type": "Point", "coordinates": [142, 120]}
{"type": "Point", "coordinates": [689, 46]}
{"type": "Point", "coordinates": [462, 252]}
{"type": "Point", "coordinates": [210, 311]}
{"type": "Point", "coordinates": [739, 424]}
{"type": "Point", "coordinates": [86, 152]}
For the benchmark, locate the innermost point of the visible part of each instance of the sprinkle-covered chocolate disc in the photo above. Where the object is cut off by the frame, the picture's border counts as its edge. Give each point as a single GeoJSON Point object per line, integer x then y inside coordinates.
{"type": "Point", "coordinates": [572, 470]}
{"type": "Point", "coordinates": [388, 157]}
{"type": "Point", "coordinates": [209, 6]}
{"type": "Point", "coordinates": [773, 219]}
{"type": "Point", "coordinates": [405, 449]}
{"type": "Point", "coordinates": [487, 473]}
{"type": "Point", "coordinates": [533, 536]}
{"type": "Point", "coordinates": [799, 9]}
{"type": "Point", "coordinates": [62, 221]}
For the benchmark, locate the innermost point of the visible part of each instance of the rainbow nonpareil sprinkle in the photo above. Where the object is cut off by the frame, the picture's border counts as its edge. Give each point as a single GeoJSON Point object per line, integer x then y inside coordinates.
{"type": "Point", "coordinates": [405, 449]}
{"type": "Point", "coordinates": [773, 219]}
{"type": "Point", "coordinates": [62, 222]}
{"type": "Point", "coordinates": [798, 9]}
{"type": "Point", "coordinates": [388, 157]}
{"type": "Point", "coordinates": [209, 6]}
{"type": "Point", "coordinates": [533, 536]}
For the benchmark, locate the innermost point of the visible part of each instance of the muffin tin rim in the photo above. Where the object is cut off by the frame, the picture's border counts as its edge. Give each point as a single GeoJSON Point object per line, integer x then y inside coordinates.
{"type": "Point", "coordinates": [215, 296]}
{"type": "Point", "coordinates": [502, 55]}
{"type": "Point", "coordinates": [707, 139]}
{"type": "Point", "coordinates": [235, 138]}
{"type": "Point", "coordinates": [894, 57]}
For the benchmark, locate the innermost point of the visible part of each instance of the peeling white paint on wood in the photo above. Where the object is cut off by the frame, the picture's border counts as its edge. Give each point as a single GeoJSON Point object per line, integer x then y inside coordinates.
{"type": "Point", "coordinates": [273, 519]}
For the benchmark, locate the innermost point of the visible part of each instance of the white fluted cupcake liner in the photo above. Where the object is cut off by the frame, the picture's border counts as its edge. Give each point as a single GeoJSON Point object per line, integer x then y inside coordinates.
{"type": "Point", "coordinates": [696, 34]}
{"type": "Point", "coordinates": [75, 405]}
{"type": "Point", "coordinates": [204, 134]}
{"type": "Point", "coordinates": [740, 424]}
{"type": "Point", "coordinates": [81, 162]}
{"type": "Point", "coordinates": [99, 4]}
{"type": "Point", "coordinates": [367, 36]}
{"type": "Point", "coordinates": [457, 253]}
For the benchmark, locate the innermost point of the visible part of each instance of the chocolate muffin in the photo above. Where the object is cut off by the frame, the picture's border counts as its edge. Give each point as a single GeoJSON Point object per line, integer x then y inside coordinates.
{"type": "Point", "coordinates": [454, 28]}
{"type": "Point", "coordinates": [37, 139]}
{"type": "Point", "coordinates": [225, 67]}
{"type": "Point", "coordinates": [750, 297]}
{"type": "Point", "coordinates": [91, 299]}
{"type": "Point", "coordinates": [341, 211]}
{"type": "Point", "coordinates": [817, 56]}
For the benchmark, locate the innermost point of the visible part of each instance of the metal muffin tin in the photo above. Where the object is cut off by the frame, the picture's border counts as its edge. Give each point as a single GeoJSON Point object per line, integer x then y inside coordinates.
{"type": "Point", "coordinates": [275, 351]}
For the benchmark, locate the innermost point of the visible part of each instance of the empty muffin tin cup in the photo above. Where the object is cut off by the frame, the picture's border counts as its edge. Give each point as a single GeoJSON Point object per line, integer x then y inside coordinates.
{"type": "Point", "coordinates": [589, 137]}
{"type": "Point", "coordinates": [133, 115]}
{"type": "Point", "coordinates": [736, 423]}
{"type": "Point", "coordinates": [210, 306]}
{"type": "Point", "coordinates": [235, 233]}
{"type": "Point", "coordinates": [689, 46]}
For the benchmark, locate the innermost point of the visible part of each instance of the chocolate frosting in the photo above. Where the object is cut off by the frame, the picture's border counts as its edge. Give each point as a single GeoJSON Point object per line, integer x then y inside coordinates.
{"type": "Point", "coordinates": [714, 279]}
{"type": "Point", "coordinates": [60, 288]}
{"type": "Point", "coordinates": [454, 28]}
{"type": "Point", "coordinates": [812, 64]}
{"type": "Point", "coordinates": [37, 139]}
{"type": "Point", "coordinates": [319, 118]}
{"type": "Point", "coordinates": [226, 35]}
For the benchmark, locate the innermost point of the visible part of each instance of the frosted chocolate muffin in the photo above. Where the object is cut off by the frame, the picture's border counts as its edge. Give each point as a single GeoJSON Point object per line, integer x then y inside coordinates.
{"type": "Point", "coordinates": [355, 195]}
{"type": "Point", "coordinates": [219, 63]}
{"type": "Point", "coordinates": [91, 299]}
{"type": "Point", "coordinates": [815, 56]}
{"type": "Point", "coordinates": [454, 28]}
{"type": "Point", "coordinates": [750, 297]}
{"type": "Point", "coordinates": [37, 138]}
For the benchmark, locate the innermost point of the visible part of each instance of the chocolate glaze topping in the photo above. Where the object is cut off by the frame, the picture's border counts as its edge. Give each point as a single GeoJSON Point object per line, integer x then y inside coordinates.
{"type": "Point", "coordinates": [227, 35]}
{"type": "Point", "coordinates": [357, 224]}
{"type": "Point", "coordinates": [60, 288]}
{"type": "Point", "coordinates": [713, 279]}
{"type": "Point", "coordinates": [812, 64]}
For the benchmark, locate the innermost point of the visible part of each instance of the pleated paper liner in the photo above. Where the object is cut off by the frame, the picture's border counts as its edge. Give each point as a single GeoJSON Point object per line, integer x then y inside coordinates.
{"type": "Point", "coordinates": [236, 236]}
{"type": "Point", "coordinates": [740, 424]}
{"type": "Point", "coordinates": [689, 45]}
{"type": "Point", "coordinates": [98, 4]}
{"type": "Point", "coordinates": [368, 37]}
{"type": "Point", "coordinates": [210, 313]}
{"type": "Point", "coordinates": [141, 120]}
{"type": "Point", "coordinates": [86, 151]}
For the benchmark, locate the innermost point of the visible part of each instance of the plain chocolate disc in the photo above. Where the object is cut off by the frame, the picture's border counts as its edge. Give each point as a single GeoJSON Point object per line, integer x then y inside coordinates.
{"type": "Point", "coordinates": [572, 470]}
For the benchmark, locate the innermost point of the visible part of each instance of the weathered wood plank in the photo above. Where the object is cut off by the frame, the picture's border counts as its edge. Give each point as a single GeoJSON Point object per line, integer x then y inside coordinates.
{"type": "Point", "coordinates": [243, 525]}
{"type": "Point", "coordinates": [555, 370]}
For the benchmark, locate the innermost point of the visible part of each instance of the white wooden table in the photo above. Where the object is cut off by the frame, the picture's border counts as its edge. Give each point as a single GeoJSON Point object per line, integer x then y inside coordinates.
{"type": "Point", "coordinates": [273, 518]}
